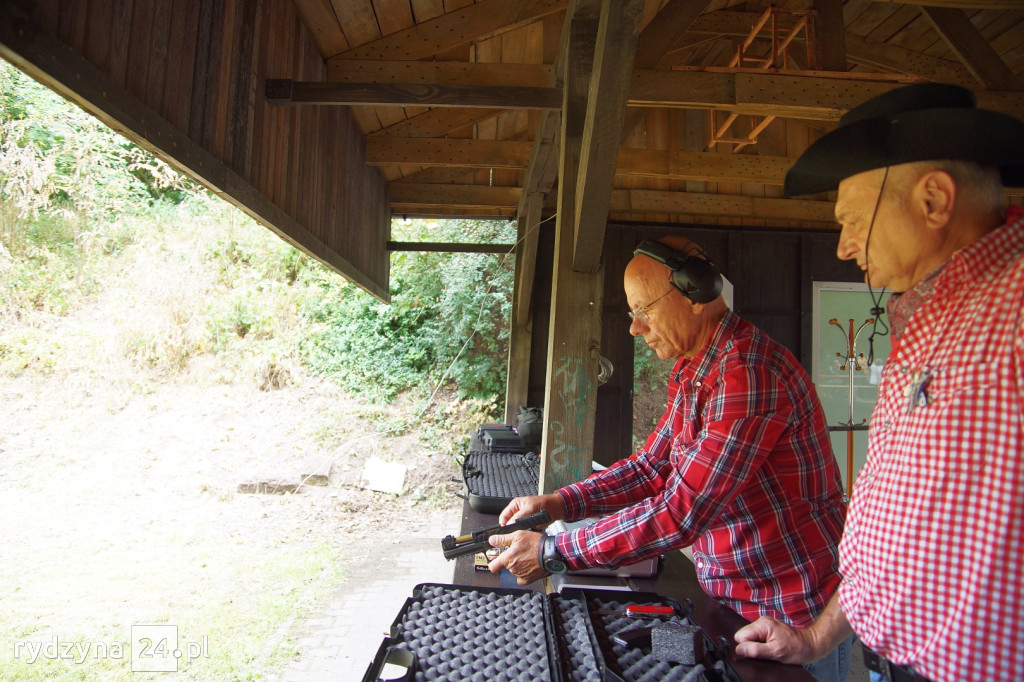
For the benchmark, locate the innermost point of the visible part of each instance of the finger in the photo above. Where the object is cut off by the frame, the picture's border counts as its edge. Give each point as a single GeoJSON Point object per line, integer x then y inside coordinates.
{"type": "Point", "coordinates": [497, 563]}
{"type": "Point", "coordinates": [755, 632]}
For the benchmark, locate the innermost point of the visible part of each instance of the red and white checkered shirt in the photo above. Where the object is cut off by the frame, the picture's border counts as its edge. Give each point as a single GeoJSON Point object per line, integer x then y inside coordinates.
{"type": "Point", "coordinates": [740, 466]}
{"type": "Point", "coordinates": [933, 553]}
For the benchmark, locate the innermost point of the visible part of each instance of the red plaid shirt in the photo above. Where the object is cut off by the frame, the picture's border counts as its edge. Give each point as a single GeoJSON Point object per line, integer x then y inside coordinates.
{"type": "Point", "coordinates": [739, 466]}
{"type": "Point", "coordinates": [933, 554]}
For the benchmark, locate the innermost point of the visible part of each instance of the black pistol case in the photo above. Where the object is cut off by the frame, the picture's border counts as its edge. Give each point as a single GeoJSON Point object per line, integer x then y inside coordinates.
{"type": "Point", "coordinates": [456, 633]}
{"type": "Point", "coordinates": [494, 478]}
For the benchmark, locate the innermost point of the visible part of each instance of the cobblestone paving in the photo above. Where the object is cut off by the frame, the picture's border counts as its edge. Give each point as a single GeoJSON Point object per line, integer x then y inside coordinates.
{"type": "Point", "coordinates": [339, 643]}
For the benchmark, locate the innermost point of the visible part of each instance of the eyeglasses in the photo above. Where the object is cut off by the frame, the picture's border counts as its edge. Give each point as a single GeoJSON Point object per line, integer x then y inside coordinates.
{"type": "Point", "coordinates": [641, 313]}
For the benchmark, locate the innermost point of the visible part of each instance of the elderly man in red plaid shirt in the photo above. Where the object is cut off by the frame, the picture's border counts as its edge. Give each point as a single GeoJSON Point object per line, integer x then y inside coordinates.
{"type": "Point", "coordinates": [739, 466]}
{"type": "Point", "coordinates": [933, 579]}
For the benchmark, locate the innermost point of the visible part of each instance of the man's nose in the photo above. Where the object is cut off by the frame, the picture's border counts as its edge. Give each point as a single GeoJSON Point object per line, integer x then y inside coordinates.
{"type": "Point", "coordinates": [637, 327]}
{"type": "Point", "coordinates": [847, 249]}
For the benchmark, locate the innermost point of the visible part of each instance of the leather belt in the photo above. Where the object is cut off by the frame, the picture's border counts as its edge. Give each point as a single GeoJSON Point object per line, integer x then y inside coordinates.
{"type": "Point", "coordinates": [889, 670]}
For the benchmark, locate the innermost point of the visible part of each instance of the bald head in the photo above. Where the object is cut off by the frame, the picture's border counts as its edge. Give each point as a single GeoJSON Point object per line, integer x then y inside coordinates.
{"type": "Point", "coordinates": [671, 324]}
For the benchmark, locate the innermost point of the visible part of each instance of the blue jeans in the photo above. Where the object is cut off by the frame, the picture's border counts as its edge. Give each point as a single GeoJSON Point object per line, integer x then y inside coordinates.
{"type": "Point", "coordinates": [835, 667]}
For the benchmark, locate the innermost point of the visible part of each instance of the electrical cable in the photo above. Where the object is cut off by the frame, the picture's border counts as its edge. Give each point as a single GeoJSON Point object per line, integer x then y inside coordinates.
{"type": "Point", "coordinates": [876, 303]}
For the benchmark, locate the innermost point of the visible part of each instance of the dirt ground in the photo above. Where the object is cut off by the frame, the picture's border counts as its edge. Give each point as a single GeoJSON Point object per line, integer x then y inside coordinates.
{"type": "Point", "coordinates": [120, 504]}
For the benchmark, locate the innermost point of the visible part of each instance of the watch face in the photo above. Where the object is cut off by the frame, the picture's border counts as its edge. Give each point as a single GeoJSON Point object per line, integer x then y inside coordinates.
{"type": "Point", "coordinates": [555, 566]}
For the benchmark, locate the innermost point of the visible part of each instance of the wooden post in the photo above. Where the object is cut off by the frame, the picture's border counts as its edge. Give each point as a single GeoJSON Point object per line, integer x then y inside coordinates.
{"type": "Point", "coordinates": [521, 323]}
{"type": "Point", "coordinates": [574, 341]}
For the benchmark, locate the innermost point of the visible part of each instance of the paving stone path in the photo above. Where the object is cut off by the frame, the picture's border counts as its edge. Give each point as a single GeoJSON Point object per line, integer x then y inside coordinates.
{"type": "Point", "coordinates": [340, 642]}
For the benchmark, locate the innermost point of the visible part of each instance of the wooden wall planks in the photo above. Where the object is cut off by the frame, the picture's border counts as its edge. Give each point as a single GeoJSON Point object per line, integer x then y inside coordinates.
{"type": "Point", "coordinates": [200, 66]}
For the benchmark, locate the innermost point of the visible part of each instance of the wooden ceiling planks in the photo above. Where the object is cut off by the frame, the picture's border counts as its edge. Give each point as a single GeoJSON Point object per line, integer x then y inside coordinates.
{"type": "Point", "coordinates": [452, 41]}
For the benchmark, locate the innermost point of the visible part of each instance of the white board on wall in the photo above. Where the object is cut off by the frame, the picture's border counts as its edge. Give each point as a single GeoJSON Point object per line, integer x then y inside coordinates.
{"type": "Point", "coordinates": [845, 301]}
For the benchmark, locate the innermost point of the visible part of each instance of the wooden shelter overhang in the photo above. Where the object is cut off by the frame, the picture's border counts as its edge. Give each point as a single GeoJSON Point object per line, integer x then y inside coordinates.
{"type": "Point", "coordinates": [323, 119]}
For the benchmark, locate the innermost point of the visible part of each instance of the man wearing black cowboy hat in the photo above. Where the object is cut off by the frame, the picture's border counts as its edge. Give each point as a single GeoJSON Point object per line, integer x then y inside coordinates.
{"type": "Point", "coordinates": [933, 580]}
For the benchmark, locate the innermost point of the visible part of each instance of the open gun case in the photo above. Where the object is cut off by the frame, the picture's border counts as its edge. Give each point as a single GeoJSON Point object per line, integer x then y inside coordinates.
{"type": "Point", "coordinates": [461, 633]}
{"type": "Point", "coordinates": [494, 478]}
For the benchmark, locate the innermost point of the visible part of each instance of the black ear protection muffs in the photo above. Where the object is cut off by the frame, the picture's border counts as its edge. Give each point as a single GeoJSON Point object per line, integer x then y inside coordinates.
{"type": "Point", "coordinates": [693, 274]}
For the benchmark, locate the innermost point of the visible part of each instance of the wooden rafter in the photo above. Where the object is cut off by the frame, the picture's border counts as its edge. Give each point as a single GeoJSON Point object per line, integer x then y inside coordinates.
{"type": "Point", "coordinates": [626, 201]}
{"type": "Point", "coordinates": [807, 96]}
{"type": "Point", "coordinates": [971, 47]}
{"type": "Point", "coordinates": [606, 108]}
{"type": "Point", "coordinates": [676, 165]}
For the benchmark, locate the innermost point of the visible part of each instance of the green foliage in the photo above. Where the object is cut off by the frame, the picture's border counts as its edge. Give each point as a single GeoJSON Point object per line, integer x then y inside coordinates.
{"type": "Point", "coordinates": [446, 322]}
{"type": "Point", "coordinates": [69, 194]}
{"type": "Point", "coordinates": [76, 200]}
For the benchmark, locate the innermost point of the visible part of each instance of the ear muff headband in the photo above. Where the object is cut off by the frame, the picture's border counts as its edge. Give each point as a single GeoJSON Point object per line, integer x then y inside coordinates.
{"type": "Point", "coordinates": [694, 275]}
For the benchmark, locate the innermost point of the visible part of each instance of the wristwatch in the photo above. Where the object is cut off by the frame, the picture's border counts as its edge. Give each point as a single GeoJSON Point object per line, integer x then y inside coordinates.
{"type": "Point", "coordinates": [550, 560]}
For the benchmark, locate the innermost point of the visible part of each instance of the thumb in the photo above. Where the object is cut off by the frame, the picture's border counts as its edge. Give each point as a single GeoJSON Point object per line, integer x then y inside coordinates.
{"type": "Point", "coordinates": [500, 540]}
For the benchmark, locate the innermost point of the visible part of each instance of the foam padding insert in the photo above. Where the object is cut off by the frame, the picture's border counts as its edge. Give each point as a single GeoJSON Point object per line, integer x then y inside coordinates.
{"type": "Point", "coordinates": [456, 633]}
{"type": "Point", "coordinates": [638, 663]}
{"type": "Point", "coordinates": [576, 642]}
{"type": "Point", "coordinates": [494, 478]}
{"type": "Point", "coordinates": [464, 634]}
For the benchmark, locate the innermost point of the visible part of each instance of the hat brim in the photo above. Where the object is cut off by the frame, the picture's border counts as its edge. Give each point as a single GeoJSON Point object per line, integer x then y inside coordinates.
{"type": "Point", "coordinates": [957, 134]}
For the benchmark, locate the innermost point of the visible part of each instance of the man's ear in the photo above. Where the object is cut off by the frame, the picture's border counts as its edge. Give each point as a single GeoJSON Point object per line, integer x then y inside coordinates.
{"type": "Point", "coordinates": [935, 196]}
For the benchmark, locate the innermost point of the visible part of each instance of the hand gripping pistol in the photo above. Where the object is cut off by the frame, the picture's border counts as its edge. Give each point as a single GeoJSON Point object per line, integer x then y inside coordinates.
{"type": "Point", "coordinates": [476, 541]}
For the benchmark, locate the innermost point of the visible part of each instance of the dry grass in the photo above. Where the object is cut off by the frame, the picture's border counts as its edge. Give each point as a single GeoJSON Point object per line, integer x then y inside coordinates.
{"type": "Point", "coordinates": [124, 438]}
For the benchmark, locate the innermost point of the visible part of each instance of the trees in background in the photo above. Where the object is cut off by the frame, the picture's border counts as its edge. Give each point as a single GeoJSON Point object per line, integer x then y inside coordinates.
{"type": "Point", "coordinates": [83, 210]}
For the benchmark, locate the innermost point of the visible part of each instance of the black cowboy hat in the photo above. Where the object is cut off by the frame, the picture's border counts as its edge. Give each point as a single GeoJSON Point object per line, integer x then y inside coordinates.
{"type": "Point", "coordinates": [921, 122]}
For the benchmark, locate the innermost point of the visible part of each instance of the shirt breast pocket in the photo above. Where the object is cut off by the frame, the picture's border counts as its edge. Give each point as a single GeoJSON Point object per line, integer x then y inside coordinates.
{"type": "Point", "coordinates": [942, 431]}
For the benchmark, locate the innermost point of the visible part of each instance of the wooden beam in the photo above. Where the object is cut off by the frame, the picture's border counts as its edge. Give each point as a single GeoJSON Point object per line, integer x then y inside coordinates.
{"type": "Point", "coordinates": [468, 154]}
{"type": "Point", "coordinates": [450, 247]}
{"type": "Point", "coordinates": [528, 229]}
{"type": "Point", "coordinates": [284, 91]}
{"type": "Point", "coordinates": [885, 57]}
{"type": "Point", "coordinates": [829, 36]}
{"type": "Point", "coordinates": [472, 196]}
{"type": "Point", "coordinates": [517, 387]}
{"type": "Point", "coordinates": [766, 94]}
{"type": "Point", "coordinates": [453, 29]}
{"type": "Point", "coordinates": [574, 338]}
{"type": "Point", "coordinates": [410, 195]}
{"type": "Point", "coordinates": [626, 201]}
{"type": "Point", "coordinates": [658, 37]}
{"type": "Point", "coordinates": [722, 205]}
{"type": "Point", "coordinates": [602, 130]}
{"type": "Point", "coordinates": [813, 96]}
{"type": "Point", "coordinates": [971, 48]}
{"type": "Point", "coordinates": [424, 151]}
{"type": "Point", "coordinates": [732, 23]}
{"type": "Point", "coordinates": [541, 174]}
{"type": "Point", "coordinates": [704, 166]}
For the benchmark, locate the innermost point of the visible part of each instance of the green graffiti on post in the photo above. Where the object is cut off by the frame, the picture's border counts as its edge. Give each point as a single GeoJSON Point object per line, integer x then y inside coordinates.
{"type": "Point", "coordinates": [574, 388]}
{"type": "Point", "coordinates": [566, 467]}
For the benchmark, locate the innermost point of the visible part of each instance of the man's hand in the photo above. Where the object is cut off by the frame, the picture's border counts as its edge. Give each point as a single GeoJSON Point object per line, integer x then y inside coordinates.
{"type": "Point", "coordinates": [522, 556]}
{"type": "Point", "coordinates": [769, 638]}
{"type": "Point", "coordinates": [524, 506]}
